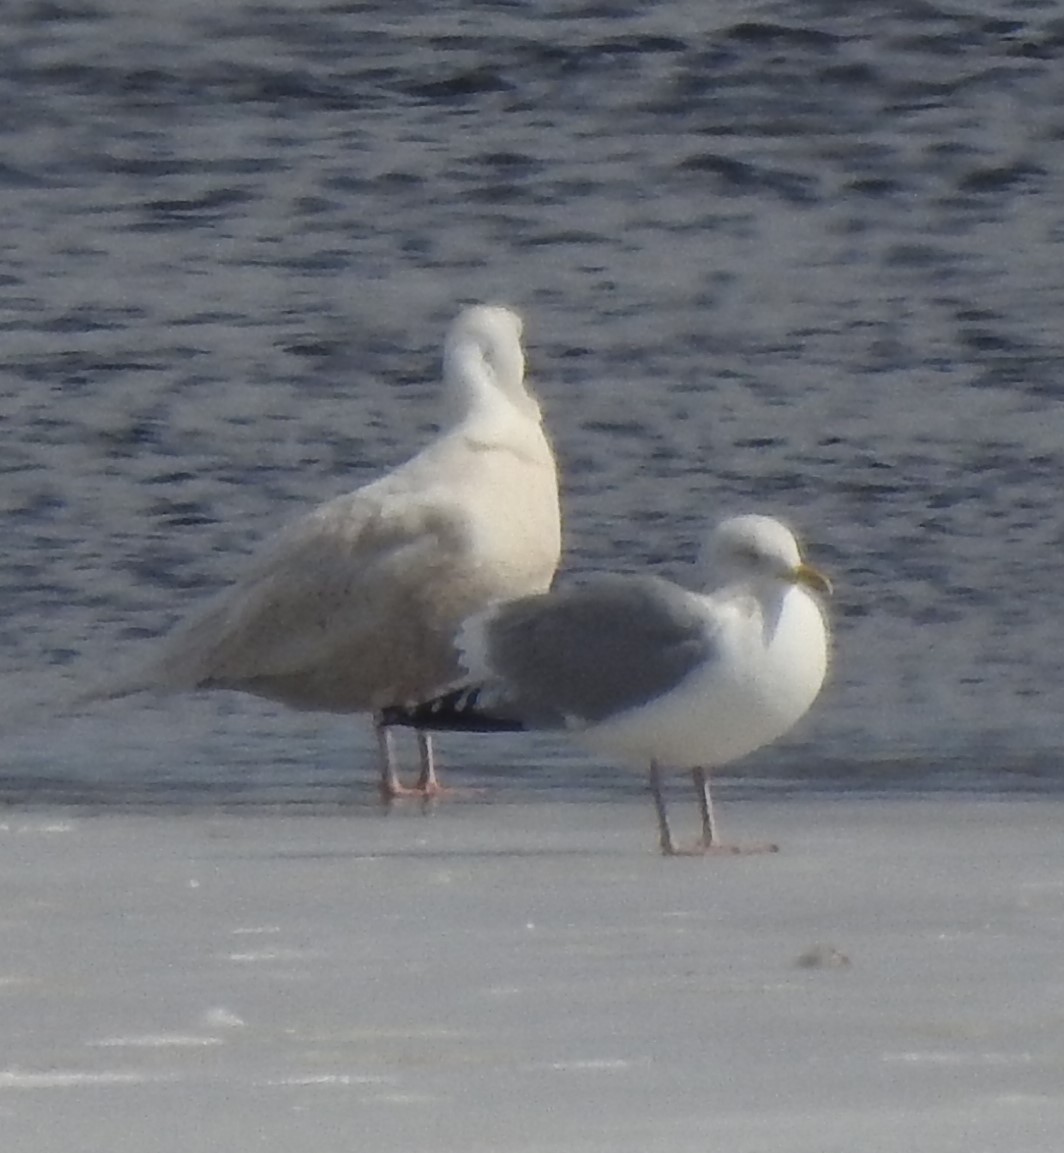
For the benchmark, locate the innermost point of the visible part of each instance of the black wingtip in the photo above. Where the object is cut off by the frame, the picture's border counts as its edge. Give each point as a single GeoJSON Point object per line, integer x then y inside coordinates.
{"type": "Point", "coordinates": [456, 712]}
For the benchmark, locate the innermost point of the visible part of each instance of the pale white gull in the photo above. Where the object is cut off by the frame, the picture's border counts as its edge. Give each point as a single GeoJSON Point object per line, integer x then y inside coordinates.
{"type": "Point", "coordinates": [354, 606]}
{"type": "Point", "coordinates": [638, 668]}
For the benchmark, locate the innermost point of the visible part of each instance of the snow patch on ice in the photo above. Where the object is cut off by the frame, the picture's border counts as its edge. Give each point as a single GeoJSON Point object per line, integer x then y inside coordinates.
{"type": "Point", "coordinates": [220, 1018]}
{"type": "Point", "coordinates": [8, 980]}
{"type": "Point", "coordinates": [941, 1057]}
{"type": "Point", "coordinates": [340, 1080]}
{"type": "Point", "coordinates": [157, 1041]}
{"type": "Point", "coordinates": [48, 827]}
{"type": "Point", "coordinates": [257, 956]}
{"type": "Point", "coordinates": [592, 1064]}
{"type": "Point", "coordinates": [71, 1078]}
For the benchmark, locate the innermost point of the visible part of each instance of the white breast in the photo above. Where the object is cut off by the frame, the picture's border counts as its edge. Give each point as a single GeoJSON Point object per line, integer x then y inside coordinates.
{"type": "Point", "coordinates": [762, 680]}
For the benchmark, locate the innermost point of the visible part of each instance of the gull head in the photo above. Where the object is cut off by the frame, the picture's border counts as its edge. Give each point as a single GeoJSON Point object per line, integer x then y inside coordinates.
{"type": "Point", "coordinates": [483, 349]}
{"type": "Point", "coordinates": [751, 547]}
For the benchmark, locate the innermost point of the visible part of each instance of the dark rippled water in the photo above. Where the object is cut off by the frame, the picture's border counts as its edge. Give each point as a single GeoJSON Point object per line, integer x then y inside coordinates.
{"type": "Point", "coordinates": [798, 257]}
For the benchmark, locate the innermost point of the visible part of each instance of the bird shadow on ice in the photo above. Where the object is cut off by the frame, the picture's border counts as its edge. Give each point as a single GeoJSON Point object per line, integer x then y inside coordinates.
{"type": "Point", "coordinates": [457, 852]}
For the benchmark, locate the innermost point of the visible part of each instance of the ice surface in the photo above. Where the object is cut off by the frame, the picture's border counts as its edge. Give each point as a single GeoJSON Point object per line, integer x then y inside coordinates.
{"type": "Point", "coordinates": [533, 977]}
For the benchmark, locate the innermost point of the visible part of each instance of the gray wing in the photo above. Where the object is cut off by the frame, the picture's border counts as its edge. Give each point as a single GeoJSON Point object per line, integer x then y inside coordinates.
{"type": "Point", "coordinates": [588, 652]}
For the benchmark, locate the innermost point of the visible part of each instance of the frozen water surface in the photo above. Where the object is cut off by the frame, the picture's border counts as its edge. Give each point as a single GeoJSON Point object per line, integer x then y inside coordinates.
{"type": "Point", "coordinates": [532, 976]}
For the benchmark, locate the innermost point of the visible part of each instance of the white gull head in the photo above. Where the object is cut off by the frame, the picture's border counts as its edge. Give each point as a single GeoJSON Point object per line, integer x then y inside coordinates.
{"type": "Point", "coordinates": [483, 361]}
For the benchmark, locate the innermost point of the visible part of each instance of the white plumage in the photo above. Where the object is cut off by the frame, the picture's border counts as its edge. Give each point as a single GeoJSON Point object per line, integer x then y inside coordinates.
{"type": "Point", "coordinates": [354, 606]}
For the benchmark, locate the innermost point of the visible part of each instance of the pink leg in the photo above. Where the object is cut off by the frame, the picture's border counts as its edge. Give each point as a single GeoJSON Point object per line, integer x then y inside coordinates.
{"type": "Point", "coordinates": [664, 835]}
{"type": "Point", "coordinates": [711, 842]}
{"type": "Point", "coordinates": [390, 785]}
{"type": "Point", "coordinates": [427, 782]}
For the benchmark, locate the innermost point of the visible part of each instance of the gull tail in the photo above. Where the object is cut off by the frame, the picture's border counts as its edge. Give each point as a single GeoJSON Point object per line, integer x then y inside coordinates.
{"type": "Point", "coordinates": [460, 711]}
